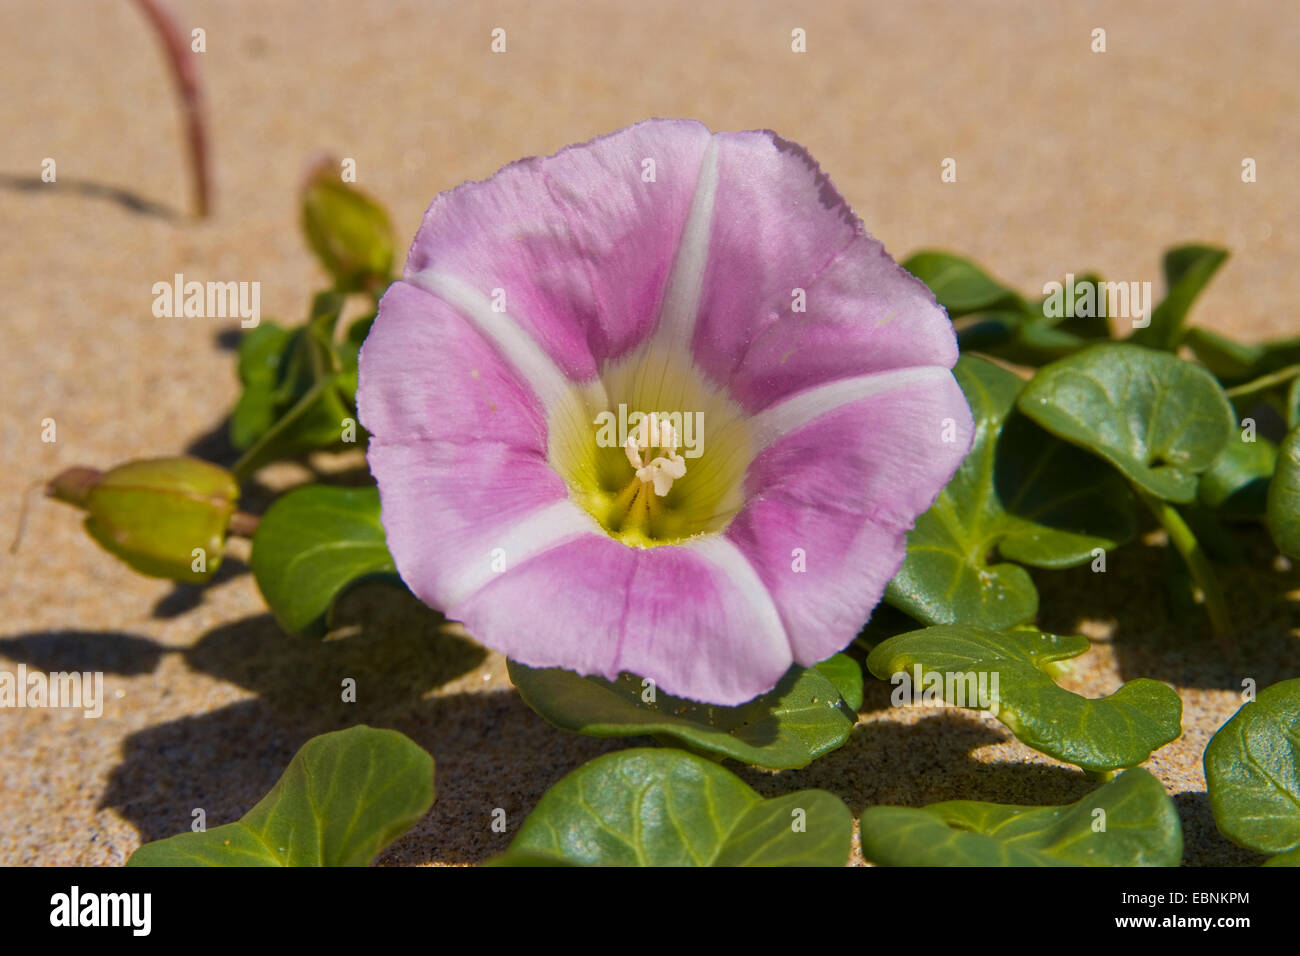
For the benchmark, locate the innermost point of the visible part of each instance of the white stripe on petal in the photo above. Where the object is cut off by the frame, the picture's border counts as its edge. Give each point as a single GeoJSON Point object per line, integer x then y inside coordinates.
{"type": "Point", "coordinates": [544, 529]}
{"type": "Point", "coordinates": [793, 413]}
{"type": "Point", "coordinates": [661, 358]}
{"type": "Point", "coordinates": [731, 561]}
{"type": "Point", "coordinates": [552, 387]}
{"type": "Point", "coordinates": [681, 301]}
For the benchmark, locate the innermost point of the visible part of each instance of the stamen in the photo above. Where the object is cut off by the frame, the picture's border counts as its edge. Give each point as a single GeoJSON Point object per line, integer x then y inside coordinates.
{"type": "Point", "coordinates": [662, 471]}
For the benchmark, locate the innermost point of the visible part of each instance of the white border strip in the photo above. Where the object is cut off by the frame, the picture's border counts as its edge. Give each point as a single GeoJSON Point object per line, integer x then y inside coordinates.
{"type": "Point", "coordinates": [552, 387]}
{"type": "Point", "coordinates": [774, 423]}
{"type": "Point", "coordinates": [681, 302]}
{"type": "Point", "coordinates": [544, 529]}
{"type": "Point", "coordinates": [723, 554]}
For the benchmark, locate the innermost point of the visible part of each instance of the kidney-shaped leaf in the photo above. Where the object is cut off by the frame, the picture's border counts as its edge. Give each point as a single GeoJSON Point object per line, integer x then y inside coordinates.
{"type": "Point", "coordinates": [344, 797]}
{"type": "Point", "coordinates": [1158, 419]}
{"type": "Point", "coordinates": [1021, 493]}
{"type": "Point", "coordinates": [311, 546]}
{"type": "Point", "coordinates": [1005, 672]}
{"type": "Point", "coordinates": [1252, 769]}
{"type": "Point", "coordinates": [648, 807]}
{"type": "Point", "coordinates": [804, 716]}
{"type": "Point", "coordinates": [1128, 822]}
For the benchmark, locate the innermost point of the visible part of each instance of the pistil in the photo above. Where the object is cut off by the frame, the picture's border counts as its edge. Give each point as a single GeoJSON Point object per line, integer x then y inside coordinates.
{"type": "Point", "coordinates": [637, 504]}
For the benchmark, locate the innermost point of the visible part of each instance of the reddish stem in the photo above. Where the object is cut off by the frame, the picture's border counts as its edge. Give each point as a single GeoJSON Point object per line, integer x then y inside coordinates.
{"type": "Point", "coordinates": [185, 74]}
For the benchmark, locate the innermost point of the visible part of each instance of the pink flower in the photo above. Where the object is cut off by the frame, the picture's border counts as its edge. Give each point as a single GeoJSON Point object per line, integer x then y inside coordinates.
{"type": "Point", "coordinates": [804, 410]}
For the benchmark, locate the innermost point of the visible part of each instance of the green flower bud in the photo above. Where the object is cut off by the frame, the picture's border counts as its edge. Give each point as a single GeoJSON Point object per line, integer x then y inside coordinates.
{"type": "Point", "coordinates": [165, 517]}
{"type": "Point", "coordinates": [349, 232]}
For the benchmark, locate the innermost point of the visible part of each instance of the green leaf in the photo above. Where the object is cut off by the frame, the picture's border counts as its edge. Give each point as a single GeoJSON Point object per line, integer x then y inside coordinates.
{"type": "Point", "coordinates": [660, 807]}
{"type": "Point", "coordinates": [803, 717]}
{"type": "Point", "coordinates": [1159, 420]}
{"type": "Point", "coordinates": [845, 674]}
{"type": "Point", "coordinates": [262, 353]}
{"type": "Point", "coordinates": [1188, 269]}
{"type": "Point", "coordinates": [1230, 361]}
{"type": "Point", "coordinates": [1240, 363]}
{"type": "Point", "coordinates": [961, 286]}
{"type": "Point", "coordinates": [1019, 338]}
{"type": "Point", "coordinates": [1293, 405]}
{"type": "Point", "coordinates": [1236, 485]}
{"type": "Point", "coordinates": [349, 353]}
{"type": "Point", "coordinates": [343, 798]}
{"type": "Point", "coordinates": [1089, 317]}
{"type": "Point", "coordinates": [1283, 507]}
{"type": "Point", "coordinates": [298, 389]}
{"type": "Point", "coordinates": [165, 517]}
{"type": "Point", "coordinates": [1021, 494]}
{"type": "Point", "coordinates": [1010, 668]}
{"type": "Point", "coordinates": [1141, 828]}
{"type": "Point", "coordinates": [1284, 859]}
{"type": "Point", "coordinates": [1253, 772]}
{"type": "Point", "coordinates": [1043, 332]}
{"type": "Point", "coordinates": [350, 233]}
{"type": "Point", "coordinates": [312, 545]}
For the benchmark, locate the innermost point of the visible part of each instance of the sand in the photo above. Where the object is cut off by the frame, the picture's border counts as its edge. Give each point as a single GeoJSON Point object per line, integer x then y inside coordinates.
{"type": "Point", "coordinates": [1067, 160]}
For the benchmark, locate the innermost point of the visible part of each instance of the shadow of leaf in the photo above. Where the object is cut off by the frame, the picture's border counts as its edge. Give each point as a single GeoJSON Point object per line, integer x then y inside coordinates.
{"type": "Point", "coordinates": [123, 197]}
{"type": "Point", "coordinates": [911, 765]}
{"type": "Point", "coordinates": [1150, 640]}
{"type": "Point", "coordinates": [109, 651]}
{"type": "Point", "coordinates": [1203, 844]}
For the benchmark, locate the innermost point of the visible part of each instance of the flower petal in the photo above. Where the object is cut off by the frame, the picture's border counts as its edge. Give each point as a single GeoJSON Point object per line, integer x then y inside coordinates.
{"type": "Point", "coordinates": [696, 620]}
{"type": "Point", "coordinates": [783, 239]}
{"type": "Point", "coordinates": [456, 514]}
{"type": "Point", "coordinates": [579, 243]}
{"type": "Point", "coordinates": [426, 373]}
{"type": "Point", "coordinates": [844, 487]}
{"type": "Point", "coordinates": [865, 314]}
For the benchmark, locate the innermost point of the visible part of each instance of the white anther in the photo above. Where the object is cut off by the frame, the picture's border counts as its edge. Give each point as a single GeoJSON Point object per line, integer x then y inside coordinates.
{"type": "Point", "coordinates": [654, 432]}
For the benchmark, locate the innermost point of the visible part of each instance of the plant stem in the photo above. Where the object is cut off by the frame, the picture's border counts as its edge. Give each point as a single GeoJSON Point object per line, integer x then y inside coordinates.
{"type": "Point", "coordinates": [1182, 538]}
{"type": "Point", "coordinates": [248, 461]}
{"type": "Point", "coordinates": [184, 68]}
{"type": "Point", "coordinates": [242, 524]}
{"type": "Point", "coordinates": [1280, 377]}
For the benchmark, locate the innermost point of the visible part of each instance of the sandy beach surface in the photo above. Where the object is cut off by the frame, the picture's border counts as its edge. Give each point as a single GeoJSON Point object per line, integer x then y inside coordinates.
{"type": "Point", "coordinates": [1067, 160]}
